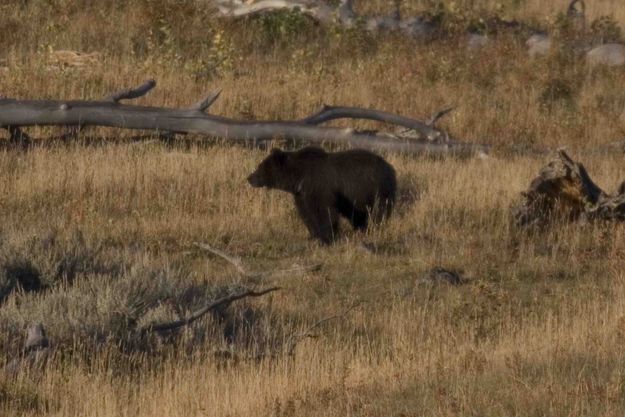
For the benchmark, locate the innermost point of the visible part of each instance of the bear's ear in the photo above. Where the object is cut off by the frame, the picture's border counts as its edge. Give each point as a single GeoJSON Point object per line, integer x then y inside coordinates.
{"type": "Point", "coordinates": [279, 155]}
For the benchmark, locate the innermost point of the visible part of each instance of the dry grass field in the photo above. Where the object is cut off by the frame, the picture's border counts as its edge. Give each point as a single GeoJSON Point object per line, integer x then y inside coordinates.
{"type": "Point", "coordinates": [538, 329]}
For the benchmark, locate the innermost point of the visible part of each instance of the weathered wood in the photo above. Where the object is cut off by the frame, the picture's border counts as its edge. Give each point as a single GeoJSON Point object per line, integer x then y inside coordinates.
{"type": "Point", "coordinates": [236, 8]}
{"type": "Point", "coordinates": [22, 113]}
{"type": "Point", "coordinates": [563, 191]}
{"type": "Point", "coordinates": [327, 113]}
{"type": "Point", "coordinates": [204, 104]}
{"type": "Point", "coordinates": [610, 207]}
{"type": "Point", "coordinates": [238, 264]}
{"type": "Point", "coordinates": [131, 93]}
{"type": "Point", "coordinates": [573, 12]}
{"type": "Point", "coordinates": [224, 301]}
{"type": "Point", "coordinates": [295, 338]}
{"type": "Point", "coordinates": [416, 27]}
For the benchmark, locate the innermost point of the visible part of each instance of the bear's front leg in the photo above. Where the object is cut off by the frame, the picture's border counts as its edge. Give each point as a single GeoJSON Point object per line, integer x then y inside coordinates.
{"type": "Point", "coordinates": [322, 221]}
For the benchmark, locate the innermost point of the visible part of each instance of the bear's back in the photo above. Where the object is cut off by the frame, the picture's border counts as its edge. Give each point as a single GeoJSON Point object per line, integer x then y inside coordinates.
{"type": "Point", "coordinates": [355, 173]}
{"type": "Point", "coordinates": [351, 168]}
{"type": "Point", "coordinates": [310, 152]}
{"type": "Point", "coordinates": [360, 164]}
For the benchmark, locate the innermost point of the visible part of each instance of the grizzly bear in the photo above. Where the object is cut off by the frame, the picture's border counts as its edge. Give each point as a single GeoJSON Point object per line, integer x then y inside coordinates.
{"type": "Point", "coordinates": [356, 184]}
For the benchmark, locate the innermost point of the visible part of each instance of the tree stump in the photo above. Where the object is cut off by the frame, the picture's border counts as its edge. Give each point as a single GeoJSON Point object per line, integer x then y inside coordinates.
{"type": "Point", "coordinates": [563, 191]}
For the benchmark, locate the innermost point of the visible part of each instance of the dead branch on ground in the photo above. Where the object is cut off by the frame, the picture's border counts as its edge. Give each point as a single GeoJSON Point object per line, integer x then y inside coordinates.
{"type": "Point", "coordinates": [224, 301]}
{"type": "Point", "coordinates": [238, 264]}
{"type": "Point", "coordinates": [295, 338]}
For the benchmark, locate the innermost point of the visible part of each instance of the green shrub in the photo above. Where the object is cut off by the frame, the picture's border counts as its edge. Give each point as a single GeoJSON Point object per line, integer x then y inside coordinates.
{"type": "Point", "coordinates": [283, 26]}
{"type": "Point", "coordinates": [558, 91]}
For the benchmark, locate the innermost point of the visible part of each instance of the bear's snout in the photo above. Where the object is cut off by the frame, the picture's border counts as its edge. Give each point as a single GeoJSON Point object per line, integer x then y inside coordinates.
{"type": "Point", "coordinates": [254, 180]}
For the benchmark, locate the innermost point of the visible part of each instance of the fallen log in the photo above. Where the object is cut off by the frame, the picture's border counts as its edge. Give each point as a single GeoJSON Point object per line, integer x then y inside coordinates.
{"type": "Point", "coordinates": [563, 191]}
{"type": "Point", "coordinates": [16, 114]}
{"type": "Point", "coordinates": [317, 11]}
{"type": "Point", "coordinates": [343, 14]}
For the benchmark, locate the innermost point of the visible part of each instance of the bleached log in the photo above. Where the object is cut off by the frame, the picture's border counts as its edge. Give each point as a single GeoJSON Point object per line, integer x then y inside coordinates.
{"type": "Point", "coordinates": [314, 9]}
{"type": "Point", "coordinates": [318, 10]}
{"type": "Point", "coordinates": [23, 113]}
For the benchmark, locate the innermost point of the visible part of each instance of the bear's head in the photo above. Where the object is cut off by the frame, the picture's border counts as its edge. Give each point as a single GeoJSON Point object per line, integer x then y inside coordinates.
{"type": "Point", "coordinates": [272, 172]}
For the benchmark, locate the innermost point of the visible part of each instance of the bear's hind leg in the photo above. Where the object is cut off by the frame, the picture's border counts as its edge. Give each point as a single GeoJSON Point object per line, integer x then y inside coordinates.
{"type": "Point", "coordinates": [381, 209]}
{"type": "Point", "coordinates": [359, 219]}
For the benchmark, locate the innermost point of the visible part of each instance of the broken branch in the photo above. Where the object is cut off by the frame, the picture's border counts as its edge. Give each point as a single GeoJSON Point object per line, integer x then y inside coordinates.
{"type": "Point", "coordinates": [436, 116]}
{"type": "Point", "coordinates": [131, 93]}
{"type": "Point", "coordinates": [295, 338]}
{"type": "Point", "coordinates": [327, 113]}
{"type": "Point", "coordinates": [204, 104]}
{"type": "Point", "coordinates": [168, 326]}
{"type": "Point", "coordinates": [236, 262]}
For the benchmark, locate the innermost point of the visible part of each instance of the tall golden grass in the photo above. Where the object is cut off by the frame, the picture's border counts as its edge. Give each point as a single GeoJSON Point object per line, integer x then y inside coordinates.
{"type": "Point", "coordinates": [537, 330]}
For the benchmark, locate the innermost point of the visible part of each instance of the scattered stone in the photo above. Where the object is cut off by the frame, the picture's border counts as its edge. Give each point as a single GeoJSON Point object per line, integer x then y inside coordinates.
{"type": "Point", "coordinates": [538, 45]}
{"type": "Point", "coordinates": [376, 24]}
{"type": "Point", "coordinates": [618, 146]}
{"type": "Point", "coordinates": [36, 351]}
{"type": "Point", "coordinates": [369, 247]}
{"type": "Point", "coordinates": [610, 54]}
{"type": "Point", "coordinates": [417, 28]}
{"type": "Point", "coordinates": [439, 275]}
{"type": "Point", "coordinates": [476, 41]}
{"type": "Point", "coordinates": [36, 338]}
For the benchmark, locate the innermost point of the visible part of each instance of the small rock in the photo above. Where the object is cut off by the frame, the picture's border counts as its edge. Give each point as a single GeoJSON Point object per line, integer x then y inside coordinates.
{"type": "Point", "coordinates": [438, 275]}
{"type": "Point", "coordinates": [36, 337]}
{"type": "Point", "coordinates": [417, 28]}
{"type": "Point", "coordinates": [538, 45]}
{"type": "Point", "coordinates": [368, 247]}
{"type": "Point", "coordinates": [36, 352]}
{"type": "Point", "coordinates": [610, 54]}
{"type": "Point", "coordinates": [476, 41]}
{"type": "Point", "coordinates": [375, 24]}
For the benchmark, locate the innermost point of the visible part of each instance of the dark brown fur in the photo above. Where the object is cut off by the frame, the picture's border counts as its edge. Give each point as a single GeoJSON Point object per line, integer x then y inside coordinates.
{"type": "Point", "coordinates": [356, 184]}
